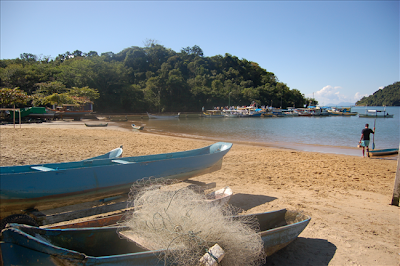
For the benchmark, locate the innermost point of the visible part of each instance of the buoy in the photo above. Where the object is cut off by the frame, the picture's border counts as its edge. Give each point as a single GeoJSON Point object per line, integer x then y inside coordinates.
{"type": "Point", "coordinates": [213, 257]}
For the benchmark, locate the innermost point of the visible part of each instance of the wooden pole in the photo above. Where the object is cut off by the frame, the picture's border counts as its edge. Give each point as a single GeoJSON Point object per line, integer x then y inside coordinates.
{"type": "Point", "coordinates": [396, 190]}
{"type": "Point", "coordinates": [14, 116]}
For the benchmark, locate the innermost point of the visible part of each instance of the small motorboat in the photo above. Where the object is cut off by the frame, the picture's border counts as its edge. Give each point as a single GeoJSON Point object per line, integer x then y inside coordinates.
{"type": "Point", "coordinates": [137, 127]}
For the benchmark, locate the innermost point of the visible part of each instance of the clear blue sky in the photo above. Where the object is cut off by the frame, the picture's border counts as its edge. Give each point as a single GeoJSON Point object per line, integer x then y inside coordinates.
{"type": "Point", "coordinates": [337, 50]}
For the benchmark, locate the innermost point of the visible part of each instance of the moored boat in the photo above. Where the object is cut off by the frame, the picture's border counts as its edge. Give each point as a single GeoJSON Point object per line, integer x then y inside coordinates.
{"type": "Point", "coordinates": [376, 114]}
{"type": "Point", "coordinates": [213, 114]}
{"type": "Point", "coordinates": [48, 186]}
{"type": "Point", "coordinates": [96, 125]}
{"type": "Point", "coordinates": [383, 152]}
{"type": "Point", "coordinates": [230, 113]}
{"type": "Point", "coordinates": [104, 246]}
{"type": "Point", "coordinates": [342, 111]}
{"type": "Point", "coordinates": [137, 127]}
{"type": "Point", "coordinates": [250, 111]}
{"type": "Point", "coordinates": [74, 111]}
{"type": "Point", "coordinates": [36, 112]}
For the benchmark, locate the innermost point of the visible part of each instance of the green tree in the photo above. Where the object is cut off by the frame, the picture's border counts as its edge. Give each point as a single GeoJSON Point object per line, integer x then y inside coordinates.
{"type": "Point", "coordinates": [86, 94]}
{"type": "Point", "coordinates": [388, 96]}
{"type": "Point", "coordinates": [12, 97]}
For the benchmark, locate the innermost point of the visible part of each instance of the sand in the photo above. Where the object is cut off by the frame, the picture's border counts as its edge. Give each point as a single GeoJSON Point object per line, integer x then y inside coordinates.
{"type": "Point", "coordinates": [347, 197]}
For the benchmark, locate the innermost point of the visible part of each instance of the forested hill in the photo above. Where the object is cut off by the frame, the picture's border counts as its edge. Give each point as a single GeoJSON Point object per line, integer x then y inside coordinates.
{"type": "Point", "coordinates": [154, 79]}
{"type": "Point", "coordinates": [388, 96]}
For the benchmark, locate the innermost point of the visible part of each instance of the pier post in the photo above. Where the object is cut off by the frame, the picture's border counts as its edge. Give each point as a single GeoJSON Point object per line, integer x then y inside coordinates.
{"type": "Point", "coordinates": [396, 190]}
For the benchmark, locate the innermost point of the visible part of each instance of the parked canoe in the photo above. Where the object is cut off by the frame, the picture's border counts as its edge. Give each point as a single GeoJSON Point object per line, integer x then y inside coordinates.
{"type": "Point", "coordinates": [48, 186]}
{"type": "Point", "coordinates": [383, 152]}
{"type": "Point", "coordinates": [218, 197]}
{"type": "Point", "coordinates": [137, 127]}
{"type": "Point", "coordinates": [104, 246]}
{"type": "Point", "coordinates": [97, 125]}
{"type": "Point", "coordinates": [163, 116]}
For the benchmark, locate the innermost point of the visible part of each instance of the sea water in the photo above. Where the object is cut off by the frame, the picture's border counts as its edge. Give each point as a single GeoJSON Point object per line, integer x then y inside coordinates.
{"type": "Point", "coordinates": [336, 131]}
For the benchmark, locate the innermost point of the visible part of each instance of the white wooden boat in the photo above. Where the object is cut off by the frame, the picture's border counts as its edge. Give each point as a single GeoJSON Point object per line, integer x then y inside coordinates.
{"type": "Point", "coordinates": [29, 245]}
{"type": "Point", "coordinates": [137, 127]}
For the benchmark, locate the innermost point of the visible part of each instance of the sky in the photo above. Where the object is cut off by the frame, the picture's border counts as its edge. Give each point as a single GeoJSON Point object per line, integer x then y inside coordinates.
{"type": "Point", "coordinates": [335, 51]}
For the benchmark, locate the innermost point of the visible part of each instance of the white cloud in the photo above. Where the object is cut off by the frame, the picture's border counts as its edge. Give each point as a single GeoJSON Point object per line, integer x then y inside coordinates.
{"type": "Point", "coordinates": [358, 96]}
{"type": "Point", "coordinates": [334, 95]}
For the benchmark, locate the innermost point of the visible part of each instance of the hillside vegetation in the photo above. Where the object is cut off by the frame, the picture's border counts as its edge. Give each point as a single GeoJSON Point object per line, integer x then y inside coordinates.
{"type": "Point", "coordinates": [388, 96]}
{"type": "Point", "coordinates": [151, 78]}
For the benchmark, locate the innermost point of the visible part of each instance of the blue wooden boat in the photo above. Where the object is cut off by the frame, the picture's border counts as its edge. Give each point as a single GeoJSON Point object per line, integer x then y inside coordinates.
{"type": "Point", "coordinates": [28, 245]}
{"type": "Point", "coordinates": [383, 152]}
{"type": "Point", "coordinates": [48, 186]}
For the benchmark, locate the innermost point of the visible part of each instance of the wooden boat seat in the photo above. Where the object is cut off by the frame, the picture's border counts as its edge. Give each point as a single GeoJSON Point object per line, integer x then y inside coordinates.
{"type": "Point", "coordinates": [42, 168]}
{"type": "Point", "coordinates": [121, 161]}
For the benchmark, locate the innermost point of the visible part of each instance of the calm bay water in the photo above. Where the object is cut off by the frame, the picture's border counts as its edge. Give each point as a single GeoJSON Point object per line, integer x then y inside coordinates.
{"type": "Point", "coordinates": [338, 131]}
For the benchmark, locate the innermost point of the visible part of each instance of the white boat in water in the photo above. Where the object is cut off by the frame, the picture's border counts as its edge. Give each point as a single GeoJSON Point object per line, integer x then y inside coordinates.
{"type": "Point", "coordinates": [213, 114]}
{"type": "Point", "coordinates": [230, 113]}
{"type": "Point", "coordinates": [376, 114]}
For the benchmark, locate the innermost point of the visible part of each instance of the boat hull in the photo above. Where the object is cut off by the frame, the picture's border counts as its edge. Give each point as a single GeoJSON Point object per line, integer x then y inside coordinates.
{"type": "Point", "coordinates": [96, 125]}
{"type": "Point", "coordinates": [383, 152]}
{"type": "Point", "coordinates": [86, 246]}
{"type": "Point", "coordinates": [137, 127]}
{"type": "Point", "coordinates": [277, 237]}
{"type": "Point", "coordinates": [375, 116]}
{"type": "Point", "coordinates": [76, 182]}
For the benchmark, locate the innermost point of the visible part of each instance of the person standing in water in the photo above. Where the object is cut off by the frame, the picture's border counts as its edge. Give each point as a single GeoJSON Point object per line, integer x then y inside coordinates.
{"type": "Point", "coordinates": [364, 140]}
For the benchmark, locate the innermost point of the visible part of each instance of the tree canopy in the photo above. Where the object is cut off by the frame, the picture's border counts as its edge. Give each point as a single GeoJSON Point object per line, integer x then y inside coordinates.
{"type": "Point", "coordinates": [388, 96]}
{"type": "Point", "coordinates": [150, 78]}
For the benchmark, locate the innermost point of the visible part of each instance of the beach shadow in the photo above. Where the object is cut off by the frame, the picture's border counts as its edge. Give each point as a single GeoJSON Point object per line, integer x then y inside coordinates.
{"type": "Point", "coordinates": [304, 251]}
{"type": "Point", "coordinates": [394, 158]}
{"type": "Point", "coordinates": [248, 201]}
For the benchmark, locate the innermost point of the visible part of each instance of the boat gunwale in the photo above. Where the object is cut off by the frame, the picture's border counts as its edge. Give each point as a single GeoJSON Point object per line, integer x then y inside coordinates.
{"type": "Point", "coordinates": [17, 228]}
{"type": "Point", "coordinates": [89, 163]}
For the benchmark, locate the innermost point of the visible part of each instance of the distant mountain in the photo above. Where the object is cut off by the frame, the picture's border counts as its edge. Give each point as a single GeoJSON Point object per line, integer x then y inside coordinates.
{"type": "Point", "coordinates": [343, 104]}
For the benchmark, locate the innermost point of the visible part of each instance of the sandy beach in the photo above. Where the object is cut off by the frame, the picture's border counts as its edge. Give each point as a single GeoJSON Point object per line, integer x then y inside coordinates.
{"type": "Point", "coordinates": [347, 197]}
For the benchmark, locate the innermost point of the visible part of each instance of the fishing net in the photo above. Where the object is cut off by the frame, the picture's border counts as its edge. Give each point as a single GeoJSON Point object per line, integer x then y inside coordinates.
{"type": "Point", "coordinates": [186, 226]}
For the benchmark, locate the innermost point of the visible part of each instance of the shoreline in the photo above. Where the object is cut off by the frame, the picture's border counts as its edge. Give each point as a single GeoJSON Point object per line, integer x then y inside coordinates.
{"type": "Point", "coordinates": [118, 125]}
{"type": "Point", "coordinates": [347, 197]}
